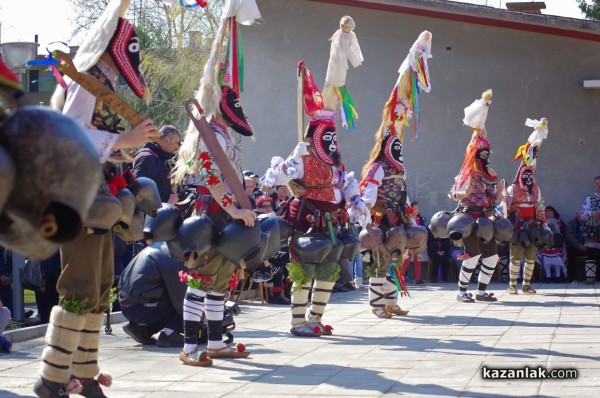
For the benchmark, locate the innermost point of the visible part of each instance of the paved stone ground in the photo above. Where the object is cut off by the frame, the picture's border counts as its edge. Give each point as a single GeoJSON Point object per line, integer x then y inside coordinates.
{"type": "Point", "coordinates": [438, 350]}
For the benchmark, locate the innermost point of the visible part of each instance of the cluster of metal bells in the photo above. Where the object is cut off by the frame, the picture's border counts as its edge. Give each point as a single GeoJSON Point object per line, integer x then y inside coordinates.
{"type": "Point", "coordinates": [316, 249]}
{"type": "Point", "coordinates": [536, 236]}
{"type": "Point", "coordinates": [191, 238]}
{"type": "Point", "coordinates": [50, 175]}
{"type": "Point", "coordinates": [457, 226]}
{"type": "Point", "coordinates": [396, 239]}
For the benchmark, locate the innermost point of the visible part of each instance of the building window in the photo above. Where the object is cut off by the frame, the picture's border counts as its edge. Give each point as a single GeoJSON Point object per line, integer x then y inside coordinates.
{"type": "Point", "coordinates": [34, 81]}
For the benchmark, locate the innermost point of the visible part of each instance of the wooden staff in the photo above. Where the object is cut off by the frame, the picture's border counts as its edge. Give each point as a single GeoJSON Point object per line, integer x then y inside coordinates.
{"type": "Point", "coordinates": [217, 153]}
{"type": "Point", "coordinates": [101, 92]}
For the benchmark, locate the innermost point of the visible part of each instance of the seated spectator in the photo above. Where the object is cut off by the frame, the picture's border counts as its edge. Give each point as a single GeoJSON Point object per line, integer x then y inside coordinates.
{"type": "Point", "coordinates": [457, 251]}
{"type": "Point", "coordinates": [151, 297]}
{"type": "Point", "coordinates": [283, 195]}
{"type": "Point", "coordinates": [575, 240]}
{"type": "Point", "coordinates": [439, 253]}
{"type": "Point", "coordinates": [264, 204]}
{"type": "Point", "coordinates": [250, 186]}
{"type": "Point", "coordinates": [554, 257]}
{"type": "Point", "coordinates": [5, 345]}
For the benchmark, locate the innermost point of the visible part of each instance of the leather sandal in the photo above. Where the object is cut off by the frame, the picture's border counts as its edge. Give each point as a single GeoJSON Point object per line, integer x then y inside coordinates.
{"type": "Point", "coordinates": [306, 331]}
{"type": "Point", "coordinates": [380, 312]}
{"type": "Point", "coordinates": [227, 352]}
{"type": "Point", "coordinates": [528, 290]}
{"type": "Point", "coordinates": [189, 358]}
{"type": "Point", "coordinates": [396, 310]}
{"type": "Point", "coordinates": [512, 290]}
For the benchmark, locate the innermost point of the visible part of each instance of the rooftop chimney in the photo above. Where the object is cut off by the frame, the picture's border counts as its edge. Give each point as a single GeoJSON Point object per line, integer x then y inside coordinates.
{"type": "Point", "coordinates": [531, 7]}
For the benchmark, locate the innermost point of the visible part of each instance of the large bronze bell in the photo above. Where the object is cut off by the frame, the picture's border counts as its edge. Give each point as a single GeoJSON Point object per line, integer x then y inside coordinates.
{"type": "Point", "coordinates": [366, 240]}
{"type": "Point", "coordinates": [395, 240]}
{"type": "Point", "coordinates": [104, 214]}
{"type": "Point", "coordinates": [270, 225]}
{"type": "Point", "coordinates": [237, 242]}
{"type": "Point", "coordinates": [460, 226]}
{"type": "Point", "coordinates": [312, 249]}
{"type": "Point", "coordinates": [135, 231]}
{"type": "Point", "coordinates": [484, 229]}
{"type": "Point", "coordinates": [351, 245]}
{"type": "Point", "coordinates": [57, 169]}
{"type": "Point", "coordinates": [22, 238]}
{"type": "Point", "coordinates": [439, 224]}
{"type": "Point", "coordinates": [503, 230]}
{"type": "Point", "coordinates": [196, 237]}
{"type": "Point", "coordinates": [523, 238]}
{"type": "Point", "coordinates": [336, 251]}
{"type": "Point", "coordinates": [127, 200]}
{"type": "Point", "coordinates": [7, 176]}
{"type": "Point", "coordinates": [147, 197]}
{"type": "Point", "coordinates": [546, 237]}
{"type": "Point", "coordinates": [164, 225]}
{"type": "Point", "coordinates": [416, 238]}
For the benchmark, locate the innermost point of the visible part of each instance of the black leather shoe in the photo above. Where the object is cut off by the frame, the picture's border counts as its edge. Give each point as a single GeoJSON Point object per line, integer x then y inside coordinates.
{"type": "Point", "coordinates": [349, 286]}
{"type": "Point", "coordinates": [174, 339]}
{"type": "Point", "coordinates": [139, 333]}
{"type": "Point", "coordinates": [91, 389]}
{"type": "Point", "coordinates": [47, 389]}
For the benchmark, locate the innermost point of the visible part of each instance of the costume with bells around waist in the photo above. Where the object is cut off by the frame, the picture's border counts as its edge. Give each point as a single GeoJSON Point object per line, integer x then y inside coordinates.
{"type": "Point", "coordinates": [322, 189]}
{"type": "Point", "coordinates": [208, 285]}
{"type": "Point", "coordinates": [478, 193]}
{"type": "Point", "coordinates": [383, 187]}
{"type": "Point", "coordinates": [526, 210]}
{"type": "Point", "coordinates": [84, 285]}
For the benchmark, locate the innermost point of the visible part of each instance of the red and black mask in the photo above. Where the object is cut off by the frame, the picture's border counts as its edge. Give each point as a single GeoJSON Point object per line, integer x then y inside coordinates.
{"type": "Point", "coordinates": [325, 142]}
{"type": "Point", "coordinates": [482, 165]}
{"type": "Point", "coordinates": [392, 151]}
{"type": "Point", "coordinates": [124, 48]}
{"type": "Point", "coordinates": [232, 111]}
{"type": "Point", "coordinates": [527, 178]}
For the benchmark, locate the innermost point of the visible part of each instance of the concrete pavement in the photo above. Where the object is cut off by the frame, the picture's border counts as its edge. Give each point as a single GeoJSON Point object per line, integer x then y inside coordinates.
{"type": "Point", "coordinates": [439, 349]}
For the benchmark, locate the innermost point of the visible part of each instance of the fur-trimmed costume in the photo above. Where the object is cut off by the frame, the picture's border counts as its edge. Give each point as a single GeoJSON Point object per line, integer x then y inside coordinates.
{"type": "Point", "coordinates": [195, 166]}
{"type": "Point", "coordinates": [88, 264]}
{"type": "Point", "coordinates": [526, 210]}
{"type": "Point", "coordinates": [384, 185]}
{"type": "Point", "coordinates": [477, 193]}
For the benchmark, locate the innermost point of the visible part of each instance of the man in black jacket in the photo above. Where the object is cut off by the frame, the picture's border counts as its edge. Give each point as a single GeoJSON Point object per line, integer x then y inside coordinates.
{"type": "Point", "coordinates": [151, 297]}
{"type": "Point", "coordinates": [152, 161]}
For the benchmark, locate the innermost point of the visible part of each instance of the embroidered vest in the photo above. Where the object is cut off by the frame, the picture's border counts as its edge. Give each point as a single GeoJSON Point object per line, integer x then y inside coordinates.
{"type": "Point", "coordinates": [103, 117]}
{"type": "Point", "coordinates": [522, 197]}
{"type": "Point", "coordinates": [392, 191]}
{"type": "Point", "coordinates": [479, 193]}
{"type": "Point", "coordinates": [317, 179]}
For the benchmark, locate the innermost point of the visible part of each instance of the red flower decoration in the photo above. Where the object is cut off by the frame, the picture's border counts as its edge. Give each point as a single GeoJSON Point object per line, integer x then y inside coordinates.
{"type": "Point", "coordinates": [240, 347]}
{"type": "Point", "coordinates": [207, 164]}
{"type": "Point", "coordinates": [329, 328]}
{"type": "Point", "coordinates": [119, 181]}
{"type": "Point", "coordinates": [316, 329]}
{"type": "Point", "coordinates": [113, 188]}
{"type": "Point", "coordinates": [226, 200]}
{"type": "Point", "coordinates": [213, 180]}
{"type": "Point", "coordinates": [344, 216]}
{"type": "Point", "coordinates": [204, 156]}
{"type": "Point", "coordinates": [202, 356]}
{"type": "Point", "coordinates": [464, 256]}
{"type": "Point", "coordinates": [410, 210]}
{"type": "Point", "coordinates": [310, 218]}
{"type": "Point", "coordinates": [377, 216]}
{"type": "Point", "coordinates": [234, 281]}
{"type": "Point", "coordinates": [491, 294]}
{"type": "Point", "coordinates": [202, 3]}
